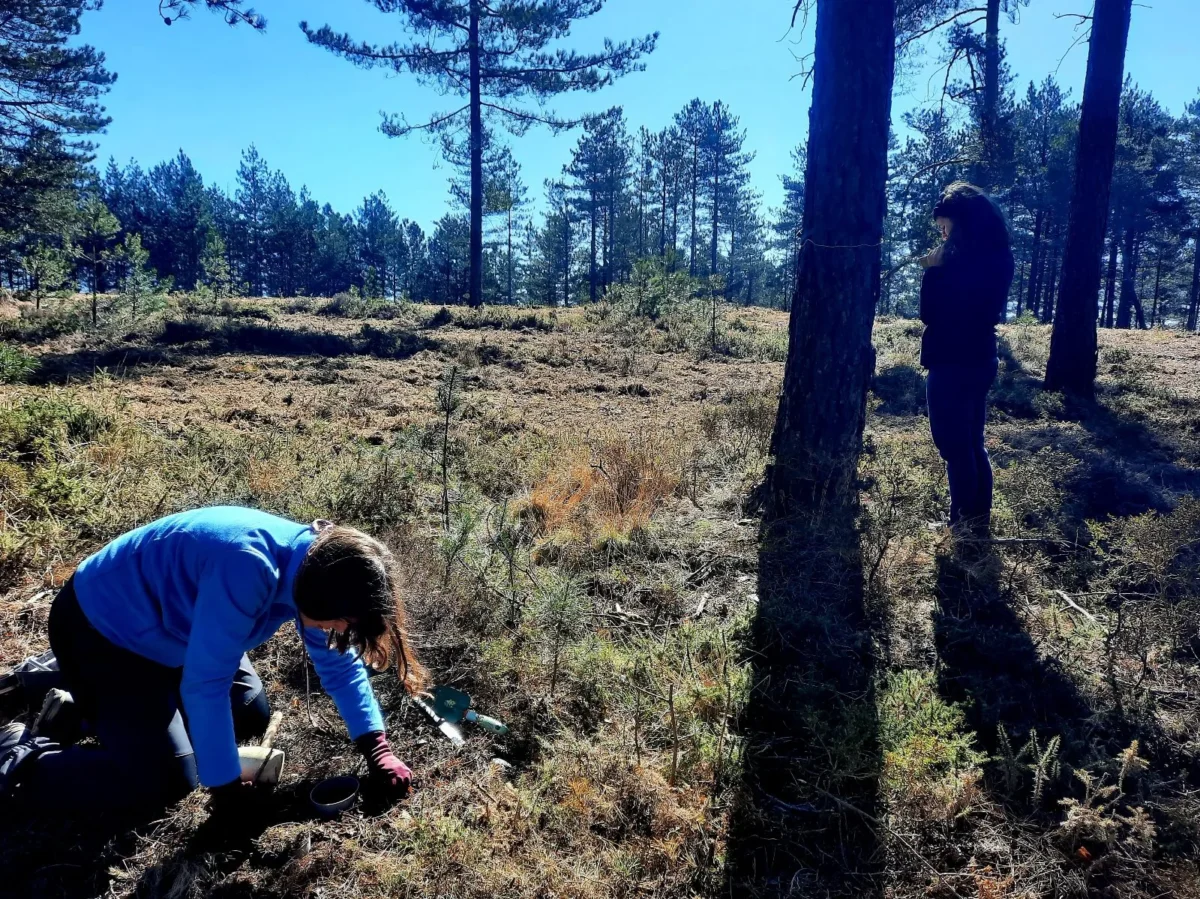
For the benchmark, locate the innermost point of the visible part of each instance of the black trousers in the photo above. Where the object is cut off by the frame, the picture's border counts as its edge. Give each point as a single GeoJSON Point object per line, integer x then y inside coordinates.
{"type": "Point", "coordinates": [132, 707]}
{"type": "Point", "coordinates": [957, 397]}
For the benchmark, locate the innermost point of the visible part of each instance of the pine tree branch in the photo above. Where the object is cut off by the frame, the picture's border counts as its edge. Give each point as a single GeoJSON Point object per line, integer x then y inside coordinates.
{"type": "Point", "coordinates": [942, 24]}
{"type": "Point", "coordinates": [392, 129]}
{"type": "Point", "coordinates": [556, 123]}
{"type": "Point", "coordinates": [231, 9]}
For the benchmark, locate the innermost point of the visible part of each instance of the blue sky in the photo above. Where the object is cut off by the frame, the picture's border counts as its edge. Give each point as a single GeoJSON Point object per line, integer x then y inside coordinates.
{"type": "Point", "coordinates": [211, 90]}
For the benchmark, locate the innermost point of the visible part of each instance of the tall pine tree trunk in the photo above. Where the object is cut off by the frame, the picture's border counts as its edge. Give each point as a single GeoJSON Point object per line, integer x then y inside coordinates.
{"type": "Point", "coordinates": [1072, 363]}
{"type": "Point", "coordinates": [1035, 267]}
{"type": "Point", "coordinates": [1110, 283]}
{"type": "Point", "coordinates": [510, 253]}
{"type": "Point", "coordinates": [476, 284]}
{"type": "Point", "coordinates": [822, 407]}
{"type": "Point", "coordinates": [695, 187]}
{"type": "Point", "coordinates": [1194, 299]}
{"type": "Point", "coordinates": [716, 210]}
{"type": "Point", "coordinates": [592, 252]}
{"type": "Point", "coordinates": [991, 91]}
{"type": "Point", "coordinates": [95, 284]}
{"type": "Point", "coordinates": [1020, 283]}
{"type": "Point", "coordinates": [1047, 313]}
{"type": "Point", "coordinates": [662, 224]}
{"type": "Point", "coordinates": [1129, 262]}
{"type": "Point", "coordinates": [1157, 286]}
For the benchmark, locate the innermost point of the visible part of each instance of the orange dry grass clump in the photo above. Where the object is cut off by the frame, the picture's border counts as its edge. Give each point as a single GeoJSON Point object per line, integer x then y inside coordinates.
{"type": "Point", "coordinates": [607, 490]}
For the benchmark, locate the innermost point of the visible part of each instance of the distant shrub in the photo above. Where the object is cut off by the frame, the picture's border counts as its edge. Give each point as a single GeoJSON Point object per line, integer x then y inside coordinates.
{"type": "Point", "coordinates": [43, 325]}
{"type": "Point", "coordinates": [205, 303]}
{"type": "Point", "coordinates": [353, 305]}
{"type": "Point", "coordinates": [496, 318]}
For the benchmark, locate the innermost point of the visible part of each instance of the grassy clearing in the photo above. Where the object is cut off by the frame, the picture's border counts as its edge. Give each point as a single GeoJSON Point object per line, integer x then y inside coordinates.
{"type": "Point", "coordinates": [588, 570]}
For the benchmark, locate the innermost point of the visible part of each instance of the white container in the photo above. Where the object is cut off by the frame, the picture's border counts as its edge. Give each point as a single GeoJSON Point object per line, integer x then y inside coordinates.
{"type": "Point", "coordinates": [261, 766]}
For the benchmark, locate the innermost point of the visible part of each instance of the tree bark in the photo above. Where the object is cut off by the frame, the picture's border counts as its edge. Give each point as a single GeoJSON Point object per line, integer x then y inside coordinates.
{"type": "Point", "coordinates": [1072, 363]}
{"type": "Point", "coordinates": [822, 407]}
{"type": "Point", "coordinates": [476, 286]}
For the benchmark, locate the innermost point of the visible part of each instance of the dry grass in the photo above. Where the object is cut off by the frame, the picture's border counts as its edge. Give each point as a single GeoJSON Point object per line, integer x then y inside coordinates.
{"type": "Point", "coordinates": [606, 490]}
{"type": "Point", "coordinates": [597, 587]}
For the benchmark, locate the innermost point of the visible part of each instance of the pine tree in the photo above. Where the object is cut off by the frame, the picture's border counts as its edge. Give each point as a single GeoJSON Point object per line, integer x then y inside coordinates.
{"type": "Point", "coordinates": [252, 223]}
{"type": "Point", "coordinates": [822, 407]}
{"type": "Point", "coordinates": [180, 221]}
{"type": "Point", "coordinates": [725, 173]}
{"type": "Point", "coordinates": [494, 57]}
{"type": "Point", "coordinates": [788, 220]}
{"type": "Point", "coordinates": [49, 83]}
{"type": "Point", "coordinates": [46, 267]}
{"type": "Point", "coordinates": [94, 238]}
{"type": "Point", "coordinates": [1145, 189]}
{"type": "Point", "coordinates": [214, 266]}
{"type": "Point", "coordinates": [1072, 363]}
{"type": "Point", "coordinates": [376, 224]}
{"type": "Point", "coordinates": [138, 289]}
{"type": "Point", "coordinates": [693, 125]}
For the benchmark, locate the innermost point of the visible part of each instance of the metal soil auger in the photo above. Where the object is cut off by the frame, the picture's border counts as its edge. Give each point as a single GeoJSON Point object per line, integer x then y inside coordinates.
{"type": "Point", "coordinates": [448, 708]}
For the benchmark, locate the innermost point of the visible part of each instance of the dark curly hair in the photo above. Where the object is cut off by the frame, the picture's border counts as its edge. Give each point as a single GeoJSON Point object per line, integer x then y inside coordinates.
{"type": "Point", "coordinates": [980, 228]}
{"type": "Point", "coordinates": [349, 576]}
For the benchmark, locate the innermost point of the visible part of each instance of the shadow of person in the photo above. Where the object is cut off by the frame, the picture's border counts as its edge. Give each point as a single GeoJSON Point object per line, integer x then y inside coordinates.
{"type": "Point", "coordinates": [220, 845]}
{"type": "Point", "coordinates": [989, 662]}
{"type": "Point", "coordinates": [806, 800]}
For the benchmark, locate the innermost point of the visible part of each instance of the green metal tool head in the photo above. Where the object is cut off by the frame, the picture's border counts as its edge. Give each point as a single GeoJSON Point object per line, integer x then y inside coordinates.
{"type": "Point", "coordinates": [450, 704]}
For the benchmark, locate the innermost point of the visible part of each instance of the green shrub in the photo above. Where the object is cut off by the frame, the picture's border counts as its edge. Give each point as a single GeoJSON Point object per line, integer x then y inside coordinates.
{"type": "Point", "coordinates": [35, 429]}
{"type": "Point", "coordinates": [15, 364]}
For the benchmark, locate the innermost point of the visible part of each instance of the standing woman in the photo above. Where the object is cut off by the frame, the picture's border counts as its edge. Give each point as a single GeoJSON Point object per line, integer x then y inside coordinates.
{"type": "Point", "coordinates": [964, 295]}
{"type": "Point", "coordinates": [151, 634]}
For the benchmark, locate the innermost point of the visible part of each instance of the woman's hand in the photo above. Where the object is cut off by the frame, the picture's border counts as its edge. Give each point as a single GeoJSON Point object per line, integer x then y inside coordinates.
{"type": "Point", "coordinates": [387, 772]}
{"type": "Point", "coordinates": [933, 258]}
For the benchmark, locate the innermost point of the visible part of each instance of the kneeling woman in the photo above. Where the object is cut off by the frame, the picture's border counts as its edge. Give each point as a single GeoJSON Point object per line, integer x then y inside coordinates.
{"type": "Point", "coordinates": [151, 634]}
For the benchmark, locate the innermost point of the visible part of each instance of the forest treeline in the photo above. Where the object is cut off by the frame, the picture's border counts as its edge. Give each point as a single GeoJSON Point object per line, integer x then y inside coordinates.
{"type": "Point", "coordinates": [681, 194]}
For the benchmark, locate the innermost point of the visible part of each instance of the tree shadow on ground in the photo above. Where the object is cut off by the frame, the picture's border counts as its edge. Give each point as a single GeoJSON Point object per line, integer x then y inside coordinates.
{"type": "Point", "coordinates": [900, 390]}
{"type": "Point", "coordinates": [190, 338]}
{"type": "Point", "coordinates": [1127, 467]}
{"type": "Point", "coordinates": [802, 817]}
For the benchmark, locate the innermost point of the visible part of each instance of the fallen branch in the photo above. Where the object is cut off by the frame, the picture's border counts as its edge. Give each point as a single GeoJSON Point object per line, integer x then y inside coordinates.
{"type": "Point", "coordinates": [1076, 606]}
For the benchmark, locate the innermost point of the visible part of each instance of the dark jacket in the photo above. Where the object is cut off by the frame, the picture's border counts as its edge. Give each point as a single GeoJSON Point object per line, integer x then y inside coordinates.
{"type": "Point", "coordinates": [962, 301]}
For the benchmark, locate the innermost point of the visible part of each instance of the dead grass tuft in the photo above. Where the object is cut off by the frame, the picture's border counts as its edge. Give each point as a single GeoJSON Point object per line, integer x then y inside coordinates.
{"type": "Point", "coordinates": [605, 491]}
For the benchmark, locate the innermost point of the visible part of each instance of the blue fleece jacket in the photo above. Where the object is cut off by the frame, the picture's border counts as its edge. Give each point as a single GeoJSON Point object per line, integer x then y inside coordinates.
{"type": "Point", "coordinates": [198, 589]}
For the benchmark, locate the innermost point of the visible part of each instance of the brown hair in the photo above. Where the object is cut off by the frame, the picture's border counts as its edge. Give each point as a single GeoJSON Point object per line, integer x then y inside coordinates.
{"type": "Point", "coordinates": [979, 223]}
{"type": "Point", "coordinates": [349, 576]}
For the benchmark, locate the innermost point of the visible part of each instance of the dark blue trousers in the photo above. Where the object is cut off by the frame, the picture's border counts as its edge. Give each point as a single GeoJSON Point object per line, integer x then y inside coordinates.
{"type": "Point", "coordinates": [144, 757]}
{"type": "Point", "coordinates": [957, 398]}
